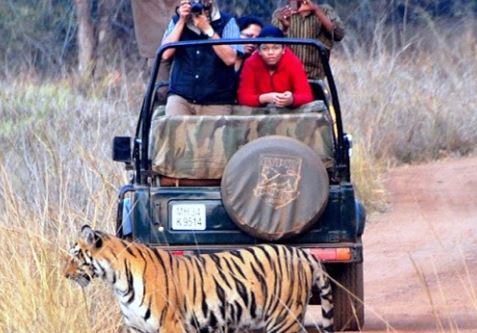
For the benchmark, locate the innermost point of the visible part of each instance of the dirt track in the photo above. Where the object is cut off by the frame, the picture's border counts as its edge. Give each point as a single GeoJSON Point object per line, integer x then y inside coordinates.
{"type": "Point", "coordinates": [421, 255]}
{"type": "Point", "coordinates": [420, 272]}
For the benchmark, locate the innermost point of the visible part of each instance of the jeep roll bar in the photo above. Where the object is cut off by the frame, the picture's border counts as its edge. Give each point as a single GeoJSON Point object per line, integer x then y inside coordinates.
{"type": "Point", "coordinates": [141, 141]}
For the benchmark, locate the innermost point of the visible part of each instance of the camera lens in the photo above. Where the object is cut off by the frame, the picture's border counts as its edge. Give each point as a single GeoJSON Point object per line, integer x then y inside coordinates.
{"type": "Point", "coordinates": [197, 8]}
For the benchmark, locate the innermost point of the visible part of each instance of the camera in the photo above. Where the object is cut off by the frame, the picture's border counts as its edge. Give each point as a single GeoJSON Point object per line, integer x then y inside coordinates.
{"type": "Point", "coordinates": [295, 4]}
{"type": "Point", "coordinates": [198, 6]}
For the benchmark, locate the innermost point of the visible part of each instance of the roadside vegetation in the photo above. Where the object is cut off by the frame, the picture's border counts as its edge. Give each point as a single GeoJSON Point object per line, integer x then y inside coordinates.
{"type": "Point", "coordinates": [403, 103]}
{"type": "Point", "coordinates": [410, 104]}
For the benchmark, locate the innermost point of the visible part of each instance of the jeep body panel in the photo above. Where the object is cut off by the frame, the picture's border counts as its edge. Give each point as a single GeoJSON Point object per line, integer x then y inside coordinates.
{"type": "Point", "coordinates": [152, 215]}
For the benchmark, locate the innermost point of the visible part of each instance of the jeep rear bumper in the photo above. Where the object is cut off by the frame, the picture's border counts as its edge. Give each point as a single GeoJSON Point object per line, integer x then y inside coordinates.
{"type": "Point", "coordinates": [327, 253]}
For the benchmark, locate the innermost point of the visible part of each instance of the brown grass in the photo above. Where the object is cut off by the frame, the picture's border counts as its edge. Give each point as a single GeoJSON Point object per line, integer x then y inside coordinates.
{"type": "Point", "coordinates": [55, 175]}
{"type": "Point", "coordinates": [416, 103]}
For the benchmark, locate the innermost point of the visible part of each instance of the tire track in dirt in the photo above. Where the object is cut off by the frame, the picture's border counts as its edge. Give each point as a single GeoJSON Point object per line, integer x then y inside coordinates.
{"type": "Point", "coordinates": [421, 254]}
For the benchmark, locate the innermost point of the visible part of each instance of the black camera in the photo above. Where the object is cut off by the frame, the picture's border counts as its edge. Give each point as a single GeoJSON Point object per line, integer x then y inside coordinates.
{"type": "Point", "coordinates": [198, 6]}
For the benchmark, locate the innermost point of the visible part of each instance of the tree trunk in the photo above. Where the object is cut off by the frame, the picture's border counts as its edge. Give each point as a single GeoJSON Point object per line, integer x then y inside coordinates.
{"type": "Point", "coordinates": [150, 21]}
{"type": "Point", "coordinates": [86, 38]}
{"type": "Point", "coordinates": [105, 34]}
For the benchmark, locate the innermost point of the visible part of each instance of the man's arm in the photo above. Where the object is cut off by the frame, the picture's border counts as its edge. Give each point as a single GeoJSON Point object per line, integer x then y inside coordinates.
{"type": "Point", "coordinates": [337, 30]}
{"type": "Point", "coordinates": [328, 19]}
{"type": "Point", "coordinates": [325, 21]}
{"type": "Point", "coordinates": [173, 32]}
{"type": "Point", "coordinates": [338, 26]}
{"type": "Point", "coordinates": [281, 18]}
{"type": "Point", "coordinates": [225, 52]}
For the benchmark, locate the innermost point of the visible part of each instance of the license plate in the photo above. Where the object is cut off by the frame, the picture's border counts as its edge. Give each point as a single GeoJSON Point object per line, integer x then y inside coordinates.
{"type": "Point", "coordinates": [188, 217]}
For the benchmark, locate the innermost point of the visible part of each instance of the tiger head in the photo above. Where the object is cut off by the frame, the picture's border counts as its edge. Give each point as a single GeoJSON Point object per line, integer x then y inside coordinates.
{"type": "Point", "coordinates": [82, 266]}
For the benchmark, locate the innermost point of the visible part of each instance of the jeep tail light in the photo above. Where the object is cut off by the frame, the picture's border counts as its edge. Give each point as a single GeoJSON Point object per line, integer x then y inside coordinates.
{"type": "Point", "coordinates": [343, 254]}
{"type": "Point", "coordinates": [180, 253]}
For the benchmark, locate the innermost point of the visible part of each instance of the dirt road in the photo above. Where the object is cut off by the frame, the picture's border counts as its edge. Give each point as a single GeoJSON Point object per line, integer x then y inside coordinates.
{"type": "Point", "coordinates": [420, 272]}
{"type": "Point", "coordinates": [421, 255]}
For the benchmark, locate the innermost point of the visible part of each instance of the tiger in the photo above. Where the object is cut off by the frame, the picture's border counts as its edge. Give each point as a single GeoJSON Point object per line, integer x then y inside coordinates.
{"type": "Point", "coordinates": [262, 287]}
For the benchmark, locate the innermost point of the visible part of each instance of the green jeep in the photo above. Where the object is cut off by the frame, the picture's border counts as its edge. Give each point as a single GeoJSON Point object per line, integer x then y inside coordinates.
{"type": "Point", "coordinates": [260, 175]}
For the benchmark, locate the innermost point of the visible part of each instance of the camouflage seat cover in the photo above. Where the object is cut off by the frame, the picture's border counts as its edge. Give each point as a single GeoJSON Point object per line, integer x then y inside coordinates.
{"type": "Point", "coordinates": [199, 147]}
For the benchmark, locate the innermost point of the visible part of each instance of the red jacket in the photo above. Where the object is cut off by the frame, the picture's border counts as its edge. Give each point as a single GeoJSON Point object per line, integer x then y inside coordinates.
{"type": "Point", "coordinates": [290, 75]}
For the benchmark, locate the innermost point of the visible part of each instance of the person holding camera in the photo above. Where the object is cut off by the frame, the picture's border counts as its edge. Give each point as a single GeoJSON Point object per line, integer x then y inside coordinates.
{"type": "Point", "coordinates": [202, 78]}
{"type": "Point", "coordinates": [306, 19]}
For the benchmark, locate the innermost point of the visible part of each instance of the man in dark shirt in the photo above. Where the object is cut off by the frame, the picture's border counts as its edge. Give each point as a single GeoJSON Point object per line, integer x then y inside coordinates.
{"type": "Point", "coordinates": [203, 77]}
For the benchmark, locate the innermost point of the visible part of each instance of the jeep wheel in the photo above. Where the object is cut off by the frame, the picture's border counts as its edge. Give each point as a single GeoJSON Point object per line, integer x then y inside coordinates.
{"type": "Point", "coordinates": [275, 187]}
{"type": "Point", "coordinates": [348, 298]}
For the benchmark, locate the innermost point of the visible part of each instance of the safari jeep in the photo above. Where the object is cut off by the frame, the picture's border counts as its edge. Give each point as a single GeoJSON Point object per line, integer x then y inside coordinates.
{"type": "Point", "coordinates": [260, 175]}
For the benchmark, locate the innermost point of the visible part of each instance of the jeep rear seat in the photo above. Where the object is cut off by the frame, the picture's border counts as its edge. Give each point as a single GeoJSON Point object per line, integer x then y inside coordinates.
{"type": "Point", "coordinates": [194, 150]}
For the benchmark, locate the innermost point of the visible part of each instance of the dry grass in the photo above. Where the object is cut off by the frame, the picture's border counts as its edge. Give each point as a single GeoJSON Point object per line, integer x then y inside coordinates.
{"type": "Point", "coordinates": [409, 104]}
{"type": "Point", "coordinates": [56, 172]}
{"type": "Point", "coordinates": [55, 175]}
{"type": "Point", "coordinates": [367, 175]}
{"type": "Point", "coordinates": [441, 296]}
{"type": "Point", "coordinates": [416, 103]}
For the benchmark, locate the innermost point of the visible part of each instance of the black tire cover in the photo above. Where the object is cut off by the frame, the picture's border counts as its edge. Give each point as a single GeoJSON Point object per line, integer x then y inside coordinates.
{"type": "Point", "coordinates": [275, 187]}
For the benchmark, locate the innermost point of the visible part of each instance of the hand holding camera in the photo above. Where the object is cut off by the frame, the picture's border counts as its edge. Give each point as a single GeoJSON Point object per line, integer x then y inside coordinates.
{"type": "Point", "coordinates": [295, 7]}
{"type": "Point", "coordinates": [184, 9]}
{"type": "Point", "coordinates": [284, 15]}
{"type": "Point", "coordinates": [199, 7]}
{"type": "Point", "coordinates": [193, 7]}
{"type": "Point", "coordinates": [198, 11]}
{"type": "Point", "coordinates": [306, 6]}
{"type": "Point", "coordinates": [202, 22]}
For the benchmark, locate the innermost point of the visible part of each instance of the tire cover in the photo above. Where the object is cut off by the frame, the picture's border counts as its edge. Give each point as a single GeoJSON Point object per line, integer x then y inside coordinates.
{"type": "Point", "coordinates": [274, 187]}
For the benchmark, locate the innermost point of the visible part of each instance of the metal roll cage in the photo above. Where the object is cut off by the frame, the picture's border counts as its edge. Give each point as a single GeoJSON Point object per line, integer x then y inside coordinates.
{"type": "Point", "coordinates": [141, 141]}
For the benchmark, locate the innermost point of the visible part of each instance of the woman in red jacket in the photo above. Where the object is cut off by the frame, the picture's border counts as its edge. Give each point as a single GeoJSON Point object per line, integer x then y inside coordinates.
{"type": "Point", "coordinates": [274, 75]}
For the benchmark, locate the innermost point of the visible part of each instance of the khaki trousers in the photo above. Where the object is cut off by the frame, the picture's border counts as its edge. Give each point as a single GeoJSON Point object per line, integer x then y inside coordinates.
{"type": "Point", "coordinates": [178, 106]}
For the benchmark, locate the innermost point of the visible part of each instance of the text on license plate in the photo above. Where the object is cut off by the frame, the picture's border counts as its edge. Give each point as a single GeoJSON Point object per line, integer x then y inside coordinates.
{"type": "Point", "coordinates": [188, 217]}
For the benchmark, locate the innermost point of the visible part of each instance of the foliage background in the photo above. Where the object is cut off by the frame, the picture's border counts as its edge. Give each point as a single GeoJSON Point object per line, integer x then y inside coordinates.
{"type": "Point", "coordinates": [40, 36]}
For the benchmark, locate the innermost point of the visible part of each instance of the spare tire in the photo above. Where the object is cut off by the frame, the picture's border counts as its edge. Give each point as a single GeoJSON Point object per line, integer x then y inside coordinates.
{"type": "Point", "coordinates": [275, 187]}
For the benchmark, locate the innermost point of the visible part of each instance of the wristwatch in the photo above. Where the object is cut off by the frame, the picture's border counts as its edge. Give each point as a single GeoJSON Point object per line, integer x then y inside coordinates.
{"type": "Point", "coordinates": [209, 33]}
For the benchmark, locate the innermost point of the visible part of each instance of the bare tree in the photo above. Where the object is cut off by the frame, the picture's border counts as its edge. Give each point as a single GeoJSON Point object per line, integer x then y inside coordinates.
{"type": "Point", "coordinates": [150, 21]}
{"type": "Point", "coordinates": [94, 39]}
{"type": "Point", "coordinates": [86, 38]}
{"type": "Point", "coordinates": [104, 34]}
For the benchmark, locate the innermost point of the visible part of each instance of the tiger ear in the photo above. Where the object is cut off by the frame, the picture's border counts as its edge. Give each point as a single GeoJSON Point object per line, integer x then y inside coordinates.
{"type": "Point", "coordinates": [90, 236]}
